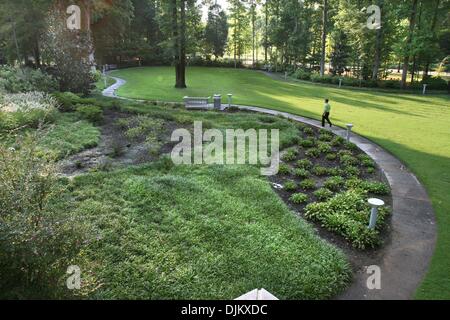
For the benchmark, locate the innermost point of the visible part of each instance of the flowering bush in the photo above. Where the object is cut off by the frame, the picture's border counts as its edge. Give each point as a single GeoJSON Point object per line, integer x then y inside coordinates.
{"type": "Point", "coordinates": [27, 101]}
{"type": "Point", "coordinates": [26, 109]}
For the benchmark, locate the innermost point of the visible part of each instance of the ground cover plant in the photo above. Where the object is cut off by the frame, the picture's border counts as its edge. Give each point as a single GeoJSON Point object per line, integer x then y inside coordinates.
{"type": "Point", "coordinates": [155, 231]}
{"type": "Point", "coordinates": [334, 189]}
{"type": "Point", "coordinates": [395, 121]}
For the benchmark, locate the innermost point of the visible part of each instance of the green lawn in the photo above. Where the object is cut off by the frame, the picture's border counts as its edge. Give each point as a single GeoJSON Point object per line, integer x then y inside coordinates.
{"type": "Point", "coordinates": [414, 128]}
{"type": "Point", "coordinates": [159, 231]}
{"type": "Point", "coordinates": [204, 232]}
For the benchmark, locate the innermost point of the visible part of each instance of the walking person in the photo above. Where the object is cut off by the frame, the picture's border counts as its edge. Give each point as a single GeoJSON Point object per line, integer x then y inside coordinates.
{"type": "Point", "coordinates": [326, 113]}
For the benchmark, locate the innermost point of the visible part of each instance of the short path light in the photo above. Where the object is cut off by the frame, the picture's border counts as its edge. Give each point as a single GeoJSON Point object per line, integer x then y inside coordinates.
{"type": "Point", "coordinates": [424, 88]}
{"type": "Point", "coordinates": [375, 204]}
{"type": "Point", "coordinates": [349, 130]}
{"type": "Point", "coordinates": [340, 82]}
{"type": "Point", "coordinates": [230, 100]}
{"type": "Point", "coordinates": [217, 101]}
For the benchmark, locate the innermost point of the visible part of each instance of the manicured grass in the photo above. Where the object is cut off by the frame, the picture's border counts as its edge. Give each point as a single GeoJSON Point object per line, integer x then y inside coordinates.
{"type": "Point", "coordinates": [414, 128]}
{"type": "Point", "coordinates": [204, 232]}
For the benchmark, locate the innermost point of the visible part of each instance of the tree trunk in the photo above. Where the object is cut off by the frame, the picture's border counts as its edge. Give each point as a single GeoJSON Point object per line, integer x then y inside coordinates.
{"type": "Point", "coordinates": [412, 24]}
{"type": "Point", "coordinates": [16, 43]}
{"type": "Point", "coordinates": [253, 32]}
{"type": "Point", "coordinates": [433, 30]}
{"type": "Point", "coordinates": [324, 37]}
{"type": "Point", "coordinates": [176, 49]}
{"type": "Point", "coordinates": [378, 45]}
{"type": "Point", "coordinates": [266, 37]}
{"type": "Point", "coordinates": [181, 83]}
{"type": "Point", "coordinates": [37, 54]}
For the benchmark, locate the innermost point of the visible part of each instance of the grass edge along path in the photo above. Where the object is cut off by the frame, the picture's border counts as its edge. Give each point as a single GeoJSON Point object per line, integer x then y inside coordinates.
{"type": "Point", "coordinates": [413, 128]}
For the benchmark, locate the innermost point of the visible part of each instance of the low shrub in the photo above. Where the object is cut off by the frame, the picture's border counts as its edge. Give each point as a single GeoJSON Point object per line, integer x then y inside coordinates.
{"type": "Point", "coordinates": [28, 101]}
{"type": "Point", "coordinates": [325, 137]}
{"type": "Point", "coordinates": [21, 110]}
{"type": "Point", "coordinates": [324, 147]}
{"type": "Point", "coordinates": [331, 156]}
{"type": "Point", "coordinates": [344, 152]}
{"type": "Point", "coordinates": [290, 185]}
{"type": "Point", "coordinates": [370, 170]}
{"type": "Point", "coordinates": [16, 80]}
{"type": "Point", "coordinates": [308, 184]}
{"type": "Point", "coordinates": [301, 173]}
{"type": "Point", "coordinates": [335, 172]}
{"type": "Point", "coordinates": [284, 169]}
{"type": "Point", "coordinates": [435, 83]}
{"type": "Point", "coordinates": [320, 171]}
{"type": "Point", "coordinates": [389, 84]}
{"type": "Point", "coordinates": [366, 161]}
{"type": "Point", "coordinates": [299, 198]}
{"type": "Point", "coordinates": [334, 183]}
{"type": "Point", "coordinates": [304, 164]}
{"type": "Point", "coordinates": [315, 77]}
{"type": "Point", "coordinates": [38, 237]}
{"type": "Point", "coordinates": [218, 63]}
{"type": "Point", "coordinates": [302, 75]}
{"type": "Point", "coordinates": [308, 131]}
{"type": "Point", "coordinates": [348, 214]}
{"type": "Point", "coordinates": [377, 188]}
{"type": "Point", "coordinates": [90, 113]}
{"type": "Point", "coordinates": [290, 155]}
{"type": "Point", "coordinates": [348, 160]}
{"type": "Point", "coordinates": [373, 187]}
{"type": "Point", "coordinates": [312, 153]}
{"type": "Point", "coordinates": [351, 171]}
{"type": "Point", "coordinates": [307, 143]}
{"type": "Point", "coordinates": [67, 101]}
{"type": "Point", "coordinates": [350, 146]}
{"type": "Point", "coordinates": [323, 194]}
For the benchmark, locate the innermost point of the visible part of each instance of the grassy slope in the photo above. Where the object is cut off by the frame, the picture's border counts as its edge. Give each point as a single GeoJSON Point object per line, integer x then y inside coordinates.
{"type": "Point", "coordinates": [414, 128]}
{"type": "Point", "coordinates": [200, 233]}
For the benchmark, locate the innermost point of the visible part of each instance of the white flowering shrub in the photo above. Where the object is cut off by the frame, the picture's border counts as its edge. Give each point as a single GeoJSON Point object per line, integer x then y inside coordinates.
{"type": "Point", "coordinates": [27, 101]}
{"type": "Point", "coordinates": [30, 109]}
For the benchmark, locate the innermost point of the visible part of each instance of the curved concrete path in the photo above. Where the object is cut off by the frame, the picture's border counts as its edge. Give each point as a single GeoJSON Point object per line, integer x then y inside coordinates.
{"type": "Point", "coordinates": [111, 91]}
{"type": "Point", "coordinates": [405, 258]}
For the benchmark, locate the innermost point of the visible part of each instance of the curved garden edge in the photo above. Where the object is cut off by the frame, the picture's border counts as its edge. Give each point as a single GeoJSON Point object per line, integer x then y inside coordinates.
{"type": "Point", "coordinates": [404, 260]}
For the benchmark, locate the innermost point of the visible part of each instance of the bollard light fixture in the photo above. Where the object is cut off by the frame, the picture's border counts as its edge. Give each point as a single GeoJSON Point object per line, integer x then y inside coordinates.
{"type": "Point", "coordinates": [374, 204]}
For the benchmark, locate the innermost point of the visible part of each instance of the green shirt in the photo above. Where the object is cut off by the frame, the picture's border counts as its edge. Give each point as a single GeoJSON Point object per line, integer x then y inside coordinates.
{"type": "Point", "coordinates": [327, 107]}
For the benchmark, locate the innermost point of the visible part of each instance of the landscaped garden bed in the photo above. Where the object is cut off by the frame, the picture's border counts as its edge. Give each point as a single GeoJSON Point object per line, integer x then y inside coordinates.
{"type": "Point", "coordinates": [328, 180]}
{"type": "Point", "coordinates": [148, 229]}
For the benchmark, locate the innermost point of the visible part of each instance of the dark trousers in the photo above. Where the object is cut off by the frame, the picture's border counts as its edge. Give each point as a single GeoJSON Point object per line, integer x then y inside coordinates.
{"type": "Point", "coordinates": [326, 116]}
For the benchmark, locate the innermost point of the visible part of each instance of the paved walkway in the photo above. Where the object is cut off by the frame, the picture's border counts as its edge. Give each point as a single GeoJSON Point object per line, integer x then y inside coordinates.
{"type": "Point", "coordinates": [111, 91]}
{"type": "Point", "coordinates": [405, 258]}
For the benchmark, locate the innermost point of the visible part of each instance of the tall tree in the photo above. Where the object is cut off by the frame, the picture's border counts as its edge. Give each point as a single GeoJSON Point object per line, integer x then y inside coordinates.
{"type": "Point", "coordinates": [378, 46]}
{"type": "Point", "coordinates": [216, 31]}
{"type": "Point", "coordinates": [239, 24]}
{"type": "Point", "coordinates": [412, 24]}
{"type": "Point", "coordinates": [433, 34]}
{"type": "Point", "coordinates": [324, 37]}
{"type": "Point", "coordinates": [181, 78]}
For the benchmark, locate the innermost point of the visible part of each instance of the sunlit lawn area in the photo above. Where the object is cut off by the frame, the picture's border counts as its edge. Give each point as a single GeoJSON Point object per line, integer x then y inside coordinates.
{"type": "Point", "coordinates": [414, 128]}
